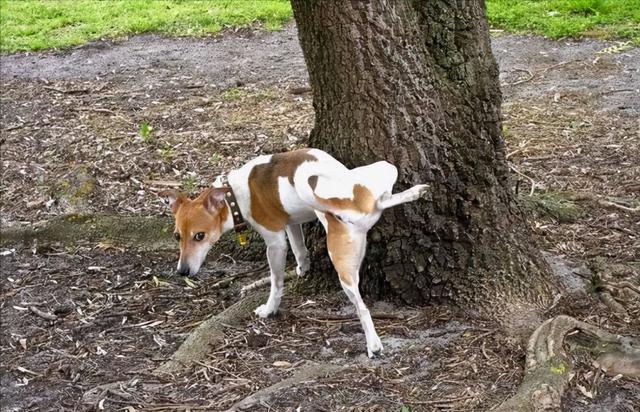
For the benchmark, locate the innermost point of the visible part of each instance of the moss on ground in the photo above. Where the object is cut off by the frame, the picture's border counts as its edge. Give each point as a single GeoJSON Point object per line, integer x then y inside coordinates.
{"type": "Point", "coordinates": [555, 205]}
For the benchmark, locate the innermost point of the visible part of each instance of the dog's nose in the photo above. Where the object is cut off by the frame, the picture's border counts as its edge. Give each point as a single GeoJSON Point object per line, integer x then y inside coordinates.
{"type": "Point", "coordinates": [183, 269]}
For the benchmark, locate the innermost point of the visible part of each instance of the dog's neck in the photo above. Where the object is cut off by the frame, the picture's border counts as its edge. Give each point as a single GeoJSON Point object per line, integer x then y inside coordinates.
{"type": "Point", "coordinates": [227, 225]}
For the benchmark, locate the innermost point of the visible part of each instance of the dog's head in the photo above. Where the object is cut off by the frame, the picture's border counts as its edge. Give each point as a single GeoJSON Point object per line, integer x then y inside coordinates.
{"type": "Point", "coordinates": [198, 225]}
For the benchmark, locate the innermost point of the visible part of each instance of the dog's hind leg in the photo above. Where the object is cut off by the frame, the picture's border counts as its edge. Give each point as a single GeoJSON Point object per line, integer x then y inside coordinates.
{"type": "Point", "coordinates": [277, 256]}
{"type": "Point", "coordinates": [346, 249]}
{"type": "Point", "coordinates": [296, 240]}
{"type": "Point", "coordinates": [409, 195]}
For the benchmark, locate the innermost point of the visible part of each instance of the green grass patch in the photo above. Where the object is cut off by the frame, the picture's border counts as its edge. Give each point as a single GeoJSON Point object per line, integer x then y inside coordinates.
{"type": "Point", "coordinates": [30, 25]}
{"type": "Point", "coordinates": [609, 19]}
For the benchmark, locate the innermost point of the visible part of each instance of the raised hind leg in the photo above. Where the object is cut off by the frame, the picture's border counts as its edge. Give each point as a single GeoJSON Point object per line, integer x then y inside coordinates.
{"type": "Point", "coordinates": [409, 195]}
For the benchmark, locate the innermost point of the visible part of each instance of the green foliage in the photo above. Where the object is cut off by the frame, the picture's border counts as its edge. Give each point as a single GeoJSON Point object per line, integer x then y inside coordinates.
{"type": "Point", "coordinates": [233, 94]}
{"type": "Point", "coordinates": [596, 285]}
{"type": "Point", "coordinates": [215, 158]}
{"type": "Point", "coordinates": [559, 368]}
{"type": "Point", "coordinates": [568, 18]}
{"type": "Point", "coordinates": [29, 25]}
{"type": "Point", "coordinates": [166, 153]}
{"type": "Point", "coordinates": [146, 132]}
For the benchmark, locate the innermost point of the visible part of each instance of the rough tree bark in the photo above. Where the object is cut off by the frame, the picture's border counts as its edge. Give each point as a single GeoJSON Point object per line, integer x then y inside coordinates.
{"type": "Point", "coordinates": [414, 82]}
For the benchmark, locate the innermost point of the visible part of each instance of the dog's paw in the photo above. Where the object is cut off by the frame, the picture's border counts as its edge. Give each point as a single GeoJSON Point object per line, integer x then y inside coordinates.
{"type": "Point", "coordinates": [303, 268]}
{"type": "Point", "coordinates": [374, 347]}
{"type": "Point", "coordinates": [421, 191]}
{"type": "Point", "coordinates": [264, 311]}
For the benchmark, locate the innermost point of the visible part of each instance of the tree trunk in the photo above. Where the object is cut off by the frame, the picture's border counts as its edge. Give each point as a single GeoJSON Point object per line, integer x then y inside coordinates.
{"type": "Point", "coordinates": [414, 82]}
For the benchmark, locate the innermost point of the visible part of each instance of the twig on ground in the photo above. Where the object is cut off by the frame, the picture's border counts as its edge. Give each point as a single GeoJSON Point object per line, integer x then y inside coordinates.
{"type": "Point", "coordinates": [330, 317]}
{"type": "Point", "coordinates": [536, 74]}
{"type": "Point", "coordinates": [263, 282]}
{"type": "Point", "coordinates": [42, 314]}
{"type": "Point", "coordinates": [531, 77]}
{"type": "Point", "coordinates": [15, 127]}
{"type": "Point", "coordinates": [606, 202]}
{"type": "Point", "coordinates": [255, 285]}
{"type": "Point", "coordinates": [229, 279]}
{"type": "Point", "coordinates": [533, 182]}
{"type": "Point", "coordinates": [69, 91]}
{"type": "Point", "coordinates": [619, 206]}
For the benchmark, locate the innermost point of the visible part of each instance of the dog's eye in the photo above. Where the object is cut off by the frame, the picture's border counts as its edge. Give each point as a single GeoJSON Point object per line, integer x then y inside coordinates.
{"type": "Point", "coordinates": [176, 236]}
{"type": "Point", "coordinates": [199, 236]}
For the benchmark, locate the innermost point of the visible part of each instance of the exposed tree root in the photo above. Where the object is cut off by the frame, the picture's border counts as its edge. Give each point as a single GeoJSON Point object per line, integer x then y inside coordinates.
{"type": "Point", "coordinates": [615, 295]}
{"type": "Point", "coordinates": [308, 372]}
{"type": "Point", "coordinates": [117, 231]}
{"type": "Point", "coordinates": [548, 368]}
{"type": "Point", "coordinates": [612, 303]}
{"type": "Point", "coordinates": [209, 333]}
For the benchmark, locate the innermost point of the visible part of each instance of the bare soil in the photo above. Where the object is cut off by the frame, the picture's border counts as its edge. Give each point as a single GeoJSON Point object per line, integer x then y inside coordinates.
{"type": "Point", "coordinates": [71, 142]}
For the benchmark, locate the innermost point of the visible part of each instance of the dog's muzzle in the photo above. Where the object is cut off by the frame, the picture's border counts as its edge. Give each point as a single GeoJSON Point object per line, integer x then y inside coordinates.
{"type": "Point", "coordinates": [184, 269]}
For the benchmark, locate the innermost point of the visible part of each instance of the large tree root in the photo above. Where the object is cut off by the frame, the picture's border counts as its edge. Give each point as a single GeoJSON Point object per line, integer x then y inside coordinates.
{"type": "Point", "coordinates": [210, 332]}
{"type": "Point", "coordinates": [308, 372]}
{"type": "Point", "coordinates": [118, 231]}
{"type": "Point", "coordinates": [549, 367]}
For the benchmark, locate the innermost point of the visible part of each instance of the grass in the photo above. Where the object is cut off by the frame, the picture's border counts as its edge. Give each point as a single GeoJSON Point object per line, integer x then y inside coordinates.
{"type": "Point", "coordinates": [609, 19]}
{"type": "Point", "coordinates": [31, 25]}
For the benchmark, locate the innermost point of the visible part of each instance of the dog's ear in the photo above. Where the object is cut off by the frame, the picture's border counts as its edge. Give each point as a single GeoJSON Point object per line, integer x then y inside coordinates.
{"type": "Point", "coordinates": [173, 199]}
{"type": "Point", "coordinates": [214, 199]}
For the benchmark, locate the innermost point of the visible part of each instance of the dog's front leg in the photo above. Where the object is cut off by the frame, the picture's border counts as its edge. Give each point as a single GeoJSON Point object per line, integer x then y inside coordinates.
{"type": "Point", "coordinates": [277, 256]}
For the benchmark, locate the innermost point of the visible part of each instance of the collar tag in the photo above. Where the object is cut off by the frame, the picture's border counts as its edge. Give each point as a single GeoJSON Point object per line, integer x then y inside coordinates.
{"type": "Point", "coordinates": [242, 238]}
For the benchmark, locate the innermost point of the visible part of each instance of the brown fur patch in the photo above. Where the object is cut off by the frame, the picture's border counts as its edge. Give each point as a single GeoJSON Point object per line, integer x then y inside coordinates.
{"type": "Point", "coordinates": [266, 208]}
{"type": "Point", "coordinates": [313, 182]}
{"type": "Point", "coordinates": [363, 201]}
{"type": "Point", "coordinates": [341, 247]}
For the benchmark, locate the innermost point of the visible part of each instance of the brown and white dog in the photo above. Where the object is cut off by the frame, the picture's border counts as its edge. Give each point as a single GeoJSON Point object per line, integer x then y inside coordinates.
{"type": "Point", "coordinates": [275, 195]}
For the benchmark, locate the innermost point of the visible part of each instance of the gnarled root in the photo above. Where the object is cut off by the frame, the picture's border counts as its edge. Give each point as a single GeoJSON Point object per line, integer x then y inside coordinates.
{"type": "Point", "coordinates": [209, 333]}
{"type": "Point", "coordinates": [548, 365]}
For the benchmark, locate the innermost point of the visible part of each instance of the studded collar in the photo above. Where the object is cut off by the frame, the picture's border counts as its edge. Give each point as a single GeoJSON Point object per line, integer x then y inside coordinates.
{"type": "Point", "coordinates": [239, 225]}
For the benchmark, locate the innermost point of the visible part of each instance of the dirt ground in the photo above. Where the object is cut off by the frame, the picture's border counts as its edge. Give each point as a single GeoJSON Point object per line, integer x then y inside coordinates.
{"type": "Point", "coordinates": [72, 142]}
